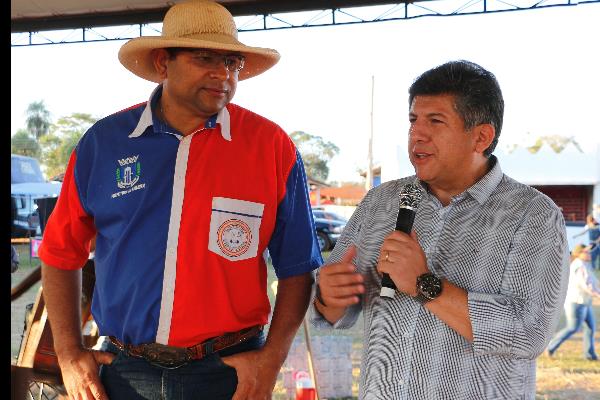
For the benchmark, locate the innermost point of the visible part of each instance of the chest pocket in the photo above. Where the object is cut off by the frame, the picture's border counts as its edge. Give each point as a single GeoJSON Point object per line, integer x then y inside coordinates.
{"type": "Point", "coordinates": [234, 228]}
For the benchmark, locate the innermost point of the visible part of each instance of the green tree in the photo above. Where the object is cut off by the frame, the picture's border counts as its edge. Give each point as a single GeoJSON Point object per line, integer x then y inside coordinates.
{"type": "Point", "coordinates": [316, 153]}
{"type": "Point", "coordinates": [58, 145]}
{"type": "Point", "coordinates": [38, 119]}
{"type": "Point", "coordinates": [556, 142]}
{"type": "Point", "coordinates": [24, 144]}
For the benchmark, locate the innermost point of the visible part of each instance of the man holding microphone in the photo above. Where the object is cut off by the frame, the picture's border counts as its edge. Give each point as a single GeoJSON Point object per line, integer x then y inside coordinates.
{"type": "Point", "coordinates": [481, 278]}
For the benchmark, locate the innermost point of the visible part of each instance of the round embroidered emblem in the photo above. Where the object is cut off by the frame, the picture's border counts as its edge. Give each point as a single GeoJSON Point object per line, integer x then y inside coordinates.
{"type": "Point", "coordinates": [234, 237]}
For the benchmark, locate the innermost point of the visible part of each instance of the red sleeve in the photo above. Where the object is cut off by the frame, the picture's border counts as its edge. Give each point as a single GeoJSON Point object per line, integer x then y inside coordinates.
{"type": "Point", "coordinates": [69, 230]}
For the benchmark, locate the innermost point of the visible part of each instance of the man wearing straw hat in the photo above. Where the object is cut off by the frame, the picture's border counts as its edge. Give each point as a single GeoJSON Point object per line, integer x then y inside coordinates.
{"type": "Point", "coordinates": [186, 195]}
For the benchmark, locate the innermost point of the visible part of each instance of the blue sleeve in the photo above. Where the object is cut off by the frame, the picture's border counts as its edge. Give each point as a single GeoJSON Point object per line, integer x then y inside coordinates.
{"type": "Point", "coordinates": [293, 246]}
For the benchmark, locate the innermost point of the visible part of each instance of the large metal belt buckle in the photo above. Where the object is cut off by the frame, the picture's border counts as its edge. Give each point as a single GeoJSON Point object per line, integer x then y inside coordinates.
{"type": "Point", "coordinates": [165, 356]}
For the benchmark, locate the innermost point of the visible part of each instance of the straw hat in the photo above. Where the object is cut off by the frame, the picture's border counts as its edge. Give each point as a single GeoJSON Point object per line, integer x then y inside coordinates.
{"type": "Point", "coordinates": [577, 250]}
{"type": "Point", "coordinates": [196, 24]}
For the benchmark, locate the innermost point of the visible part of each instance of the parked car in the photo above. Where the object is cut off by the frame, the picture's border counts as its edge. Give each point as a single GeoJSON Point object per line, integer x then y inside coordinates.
{"type": "Point", "coordinates": [328, 215]}
{"type": "Point", "coordinates": [329, 227]}
{"type": "Point", "coordinates": [27, 184]}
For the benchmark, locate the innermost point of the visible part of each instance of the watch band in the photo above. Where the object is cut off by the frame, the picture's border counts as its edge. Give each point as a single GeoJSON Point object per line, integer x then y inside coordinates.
{"type": "Point", "coordinates": [318, 295]}
{"type": "Point", "coordinates": [421, 298]}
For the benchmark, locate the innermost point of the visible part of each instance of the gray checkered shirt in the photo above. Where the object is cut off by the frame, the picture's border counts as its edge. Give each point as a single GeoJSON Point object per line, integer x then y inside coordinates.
{"type": "Point", "coordinates": [502, 241]}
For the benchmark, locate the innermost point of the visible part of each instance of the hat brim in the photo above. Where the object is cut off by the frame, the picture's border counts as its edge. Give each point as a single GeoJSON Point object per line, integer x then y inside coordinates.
{"type": "Point", "coordinates": [136, 54]}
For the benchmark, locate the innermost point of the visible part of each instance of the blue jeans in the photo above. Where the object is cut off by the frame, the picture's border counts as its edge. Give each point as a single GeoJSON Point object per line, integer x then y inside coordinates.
{"type": "Point", "coordinates": [132, 378]}
{"type": "Point", "coordinates": [576, 315]}
{"type": "Point", "coordinates": [596, 257]}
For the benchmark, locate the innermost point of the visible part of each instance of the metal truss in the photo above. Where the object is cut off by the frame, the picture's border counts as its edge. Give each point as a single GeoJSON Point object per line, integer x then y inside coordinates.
{"type": "Point", "coordinates": [303, 19]}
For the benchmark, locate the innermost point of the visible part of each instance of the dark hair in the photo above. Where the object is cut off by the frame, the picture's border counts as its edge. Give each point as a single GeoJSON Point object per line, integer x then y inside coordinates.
{"type": "Point", "coordinates": [477, 95]}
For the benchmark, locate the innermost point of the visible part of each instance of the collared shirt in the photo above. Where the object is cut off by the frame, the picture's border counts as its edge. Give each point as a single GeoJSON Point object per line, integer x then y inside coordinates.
{"type": "Point", "coordinates": [183, 224]}
{"type": "Point", "coordinates": [505, 244]}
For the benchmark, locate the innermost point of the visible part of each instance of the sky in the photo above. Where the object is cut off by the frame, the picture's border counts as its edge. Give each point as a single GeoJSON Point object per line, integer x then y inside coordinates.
{"type": "Point", "coordinates": [546, 61]}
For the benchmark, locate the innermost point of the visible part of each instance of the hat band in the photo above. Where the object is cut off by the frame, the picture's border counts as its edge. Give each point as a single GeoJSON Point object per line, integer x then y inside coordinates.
{"type": "Point", "coordinates": [217, 38]}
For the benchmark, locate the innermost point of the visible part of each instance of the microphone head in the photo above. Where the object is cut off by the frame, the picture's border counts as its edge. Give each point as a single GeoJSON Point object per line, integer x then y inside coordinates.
{"type": "Point", "coordinates": [410, 196]}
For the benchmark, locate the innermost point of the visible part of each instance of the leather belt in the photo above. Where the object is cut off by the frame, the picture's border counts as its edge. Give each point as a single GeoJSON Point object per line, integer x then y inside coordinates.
{"type": "Point", "coordinates": [174, 357]}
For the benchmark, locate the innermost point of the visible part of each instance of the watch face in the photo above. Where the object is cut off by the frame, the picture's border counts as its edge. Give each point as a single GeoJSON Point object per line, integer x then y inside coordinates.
{"type": "Point", "coordinates": [429, 285]}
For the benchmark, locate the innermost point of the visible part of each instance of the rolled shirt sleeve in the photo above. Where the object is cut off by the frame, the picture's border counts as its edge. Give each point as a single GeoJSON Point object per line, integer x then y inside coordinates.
{"type": "Point", "coordinates": [521, 319]}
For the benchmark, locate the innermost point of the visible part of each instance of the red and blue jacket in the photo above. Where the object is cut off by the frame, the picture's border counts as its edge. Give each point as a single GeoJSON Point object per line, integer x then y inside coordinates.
{"type": "Point", "coordinates": [183, 224]}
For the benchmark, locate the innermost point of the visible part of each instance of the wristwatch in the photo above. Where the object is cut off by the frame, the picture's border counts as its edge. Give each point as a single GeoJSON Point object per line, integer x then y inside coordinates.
{"type": "Point", "coordinates": [429, 287]}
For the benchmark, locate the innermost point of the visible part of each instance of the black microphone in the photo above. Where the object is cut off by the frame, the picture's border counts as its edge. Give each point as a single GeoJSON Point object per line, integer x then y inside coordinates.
{"type": "Point", "coordinates": [410, 196]}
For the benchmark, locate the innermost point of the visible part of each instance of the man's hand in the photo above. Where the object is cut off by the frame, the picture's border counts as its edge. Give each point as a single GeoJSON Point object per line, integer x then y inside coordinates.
{"type": "Point", "coordinates": [80, 374]}
{"type": "Point", "coordinates": [339, 283]}
{"type": "Point", "coordinates": [79, 366]}
{"type": "Point", "coordinates": [256, 372]}
{"type": "Point", "coordinates": [402, 258]}
{"type": "Point", "coordinates": [340, 286]}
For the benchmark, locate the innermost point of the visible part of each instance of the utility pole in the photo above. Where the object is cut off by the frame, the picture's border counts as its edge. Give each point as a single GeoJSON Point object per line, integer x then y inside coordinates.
{"type": "Point", "coordinates": [369, 183]}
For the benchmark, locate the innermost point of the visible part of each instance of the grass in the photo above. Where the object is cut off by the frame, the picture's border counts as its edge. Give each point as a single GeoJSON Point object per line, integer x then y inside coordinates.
{"type": "Point", "coordinates": [566, 376]}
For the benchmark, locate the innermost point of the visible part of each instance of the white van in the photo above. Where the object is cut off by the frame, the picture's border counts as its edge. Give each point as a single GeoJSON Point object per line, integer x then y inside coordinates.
{"type": "Point", "coordinates": [27, 183]}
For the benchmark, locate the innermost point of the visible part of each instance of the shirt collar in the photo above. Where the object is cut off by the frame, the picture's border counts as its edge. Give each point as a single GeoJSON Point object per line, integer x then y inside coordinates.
{"type": "Point", "coordinates": [483, 188]}
{"type": "Point", "coordinates": [222, 118]}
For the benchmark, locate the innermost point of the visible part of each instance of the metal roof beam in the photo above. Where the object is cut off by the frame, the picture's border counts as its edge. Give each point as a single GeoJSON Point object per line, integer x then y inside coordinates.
{"type": "Point", "coordinates": [312, 18]}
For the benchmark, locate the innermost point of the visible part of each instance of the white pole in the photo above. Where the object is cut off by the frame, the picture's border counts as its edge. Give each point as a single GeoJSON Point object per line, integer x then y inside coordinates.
{"type": "Point", "coordinates": [311, 364]}
{"type": "Point", "coordinates": [369, 183]}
